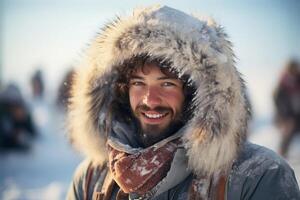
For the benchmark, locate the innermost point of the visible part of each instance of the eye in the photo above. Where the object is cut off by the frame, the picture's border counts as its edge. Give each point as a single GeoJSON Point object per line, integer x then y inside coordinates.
{"type": "Point", "coordinates": [137, 83]}
{"type": "Point", "coordinates": [168, 84]}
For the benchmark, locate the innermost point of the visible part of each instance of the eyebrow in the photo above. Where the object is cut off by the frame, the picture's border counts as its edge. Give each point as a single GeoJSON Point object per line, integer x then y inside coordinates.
{"type": "Point", "coordinates": [136, 77]}
{"type": "Point", "coordinates": [166, 77]}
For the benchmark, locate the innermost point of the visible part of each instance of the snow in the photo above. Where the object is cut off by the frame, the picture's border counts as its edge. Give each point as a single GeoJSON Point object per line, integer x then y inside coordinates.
{"type": "Point", "coordinates": [155, 161]}
{"type": "Point", "coordinates": [52, 191]}
{"type": "Point", "coordinates": [143, 171]}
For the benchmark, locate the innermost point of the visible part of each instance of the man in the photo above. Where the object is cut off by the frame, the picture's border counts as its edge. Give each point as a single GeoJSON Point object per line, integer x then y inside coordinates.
{"type": "Point", "coordinates": [287, 104]}
{"type": "Point", "coordinates": [17, 128]}
{"type": "Point", "coordinates": [161, 112]}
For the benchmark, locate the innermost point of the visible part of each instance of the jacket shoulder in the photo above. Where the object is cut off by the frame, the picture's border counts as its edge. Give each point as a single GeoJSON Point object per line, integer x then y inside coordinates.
{"type": "Point", "coordinates": [87, 176]}
{"type": "Point", "coordinates": [254, 158]}
{"type": "Point", "coordinates": [259, 173]}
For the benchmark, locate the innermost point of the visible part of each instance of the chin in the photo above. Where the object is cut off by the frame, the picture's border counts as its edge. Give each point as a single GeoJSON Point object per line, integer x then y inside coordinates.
{"type": "Point", "coordinates": [155, 132]}
{"type": "Point", "coordinates": [155, 129]}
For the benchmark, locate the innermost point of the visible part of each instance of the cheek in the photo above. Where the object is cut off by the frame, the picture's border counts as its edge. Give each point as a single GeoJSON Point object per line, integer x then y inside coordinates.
{"type": "Point", "coordinates": [174, 99]}
{"type": "Point", "coordinates": [134, 98]}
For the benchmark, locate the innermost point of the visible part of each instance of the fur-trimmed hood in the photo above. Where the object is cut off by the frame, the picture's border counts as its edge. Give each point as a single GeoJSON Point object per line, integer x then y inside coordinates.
{"type": "Point", "coordinates": [193, 46]}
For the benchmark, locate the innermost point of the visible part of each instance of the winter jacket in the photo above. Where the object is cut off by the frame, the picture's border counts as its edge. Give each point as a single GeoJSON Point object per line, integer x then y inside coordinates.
{"type": "Point", "coordinates": [215, 136]}
{"type": "Point", "coordinates": [258, 173]}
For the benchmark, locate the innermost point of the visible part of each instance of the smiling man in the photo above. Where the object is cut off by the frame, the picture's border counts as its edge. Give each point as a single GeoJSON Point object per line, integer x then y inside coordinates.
{"type": "Point", "coordinates": [156, 100]}
{"type": "Point", "coordinates": [161, 112]}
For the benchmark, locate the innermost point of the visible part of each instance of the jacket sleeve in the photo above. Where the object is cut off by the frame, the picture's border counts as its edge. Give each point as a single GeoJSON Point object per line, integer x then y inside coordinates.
{"type": "Point", "coordinates": [76, 188]}
{"type": "Point", "coordinates": [275, 183]}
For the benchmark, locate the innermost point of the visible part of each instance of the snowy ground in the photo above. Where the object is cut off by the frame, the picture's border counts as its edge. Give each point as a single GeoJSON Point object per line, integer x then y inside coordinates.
{"type": "Point", "coordinates": [46, 170]}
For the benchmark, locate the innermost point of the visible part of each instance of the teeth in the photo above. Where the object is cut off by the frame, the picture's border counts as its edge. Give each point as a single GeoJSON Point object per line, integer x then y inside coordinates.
{"type": "Point", "coordinates": [154, 116]}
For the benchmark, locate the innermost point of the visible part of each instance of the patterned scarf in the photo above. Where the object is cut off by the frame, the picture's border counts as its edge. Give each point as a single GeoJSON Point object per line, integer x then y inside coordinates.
{"type": "Point", "coordinates": [145, 172]}
{"type": "Point", "coordinates": [140, 172]}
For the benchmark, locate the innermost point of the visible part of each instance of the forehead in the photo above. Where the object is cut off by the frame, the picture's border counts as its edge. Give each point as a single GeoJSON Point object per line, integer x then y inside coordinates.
{"type": "Point", "coordinates": [154, 70]}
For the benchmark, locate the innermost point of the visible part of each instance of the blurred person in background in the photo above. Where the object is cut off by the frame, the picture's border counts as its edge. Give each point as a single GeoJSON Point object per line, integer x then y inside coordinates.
{"type": "Point", "coordinates": [37, 84]}
{"type": "Point", "coordinates": [63, 93]}
{"type": "Point", "coordinates": [16, 125]}
{"type": "Point", "coordinates": [287, 104]}
{"type": "Point", "coordinates": [162, 113]}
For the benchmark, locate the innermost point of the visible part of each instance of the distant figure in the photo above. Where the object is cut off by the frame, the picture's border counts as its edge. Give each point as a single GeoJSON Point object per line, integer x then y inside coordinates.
{"type": "Point", "coordinates": [64, 90]}
{"type": "Point", "coordinates": [37, 84]}
{"type": "Point", "coordinates": [287, 104]}
{"type": "Point", "coordinates": [16, 125]}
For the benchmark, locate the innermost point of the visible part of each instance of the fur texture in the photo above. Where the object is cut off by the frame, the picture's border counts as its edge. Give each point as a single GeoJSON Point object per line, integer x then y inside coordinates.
{"type": "Point", "coordinates": [195, 47]}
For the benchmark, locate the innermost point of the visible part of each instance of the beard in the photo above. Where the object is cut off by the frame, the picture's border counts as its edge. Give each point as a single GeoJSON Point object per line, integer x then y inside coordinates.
{"type": "Point", "coordinates": [150, 134]}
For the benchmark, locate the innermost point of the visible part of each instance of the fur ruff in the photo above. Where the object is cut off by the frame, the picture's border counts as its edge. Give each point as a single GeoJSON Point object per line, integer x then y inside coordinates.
{"type": "Point", "coordinates": [195, 47]}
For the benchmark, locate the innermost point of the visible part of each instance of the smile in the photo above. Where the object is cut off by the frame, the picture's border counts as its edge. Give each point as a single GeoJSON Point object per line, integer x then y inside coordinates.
{"type": "Point", "coordinates": [155, 116]}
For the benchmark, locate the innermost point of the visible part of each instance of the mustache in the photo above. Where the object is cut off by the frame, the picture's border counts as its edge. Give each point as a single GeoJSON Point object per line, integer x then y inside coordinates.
{"type": "Point", "coordinates": [145, 108]}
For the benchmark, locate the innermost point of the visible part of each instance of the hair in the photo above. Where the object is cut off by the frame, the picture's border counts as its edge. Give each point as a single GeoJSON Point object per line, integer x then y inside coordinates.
{"type": "Point", "coordinates": [125, 71]}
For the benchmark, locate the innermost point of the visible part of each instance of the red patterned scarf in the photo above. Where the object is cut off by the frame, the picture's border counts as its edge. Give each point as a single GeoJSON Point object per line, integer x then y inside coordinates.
{"type": "Point", "coordinates": [140, 172]}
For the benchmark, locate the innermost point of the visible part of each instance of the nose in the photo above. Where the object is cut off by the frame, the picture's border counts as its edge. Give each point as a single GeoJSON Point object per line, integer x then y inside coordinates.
{"type": "Point", "coordinates": [152, 97]}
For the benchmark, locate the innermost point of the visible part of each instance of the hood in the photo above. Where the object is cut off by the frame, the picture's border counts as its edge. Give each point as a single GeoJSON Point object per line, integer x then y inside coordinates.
{"type": "Point", "coordinates": [196, 47]}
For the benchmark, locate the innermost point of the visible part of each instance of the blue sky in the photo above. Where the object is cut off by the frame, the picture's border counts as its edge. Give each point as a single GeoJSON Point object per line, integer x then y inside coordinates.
{"type": "Point", "coordinates": [54, 33]}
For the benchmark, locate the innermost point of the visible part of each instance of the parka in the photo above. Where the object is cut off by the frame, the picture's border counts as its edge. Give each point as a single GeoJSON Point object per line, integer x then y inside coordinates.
{"type": "Point", "coordinates": [220, 163]}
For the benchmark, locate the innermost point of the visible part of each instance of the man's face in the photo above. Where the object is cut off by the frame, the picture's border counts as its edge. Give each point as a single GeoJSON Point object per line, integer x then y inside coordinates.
{"type": "Point", "coordinates": [156, 100]}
